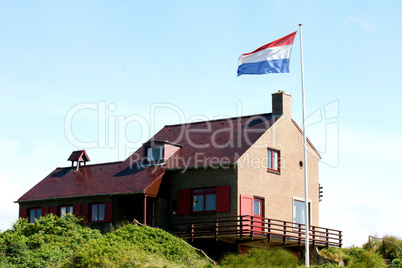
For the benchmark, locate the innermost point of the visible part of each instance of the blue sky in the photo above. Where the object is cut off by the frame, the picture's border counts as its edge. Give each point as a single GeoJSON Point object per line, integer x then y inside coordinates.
{"type": "Point", "coordinates": [137, 65]}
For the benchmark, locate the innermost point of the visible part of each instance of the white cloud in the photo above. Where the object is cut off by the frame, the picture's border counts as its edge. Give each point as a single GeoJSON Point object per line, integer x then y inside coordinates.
{"type": "Point", "coordinates": [364, 23]}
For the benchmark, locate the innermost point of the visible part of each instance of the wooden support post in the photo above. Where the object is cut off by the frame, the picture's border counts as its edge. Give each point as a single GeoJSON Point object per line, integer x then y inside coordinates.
{"type": "Point", "coordinates": [284, 233]}
{"type": "Point", "coordinates": [313, 237]}
{"type": "Point", "coordinates": [145, 210]}
{"type": "Point", "coordinates": [269, 231]}
{"type": "Point", "coordinates": [192, 231]}
{"type": "Point", "coordinates": [241, 227]}
{"type": "Point", "coordinates": [300, 233]}
{"type": "Point", "coordinates": [216, 229]}
{"type": "Point", "coordinates": [252, 227]}
{"type": "Point", "coordinates": [327, 238]}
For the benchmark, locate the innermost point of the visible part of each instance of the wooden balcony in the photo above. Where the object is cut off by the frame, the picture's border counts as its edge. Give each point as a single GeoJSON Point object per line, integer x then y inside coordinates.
{"type": "Point", "coordinates": [253, 228]}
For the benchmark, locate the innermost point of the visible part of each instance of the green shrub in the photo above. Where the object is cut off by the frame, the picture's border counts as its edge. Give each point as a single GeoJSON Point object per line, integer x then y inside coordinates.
{"type": "Point", "coordinates": [261, 258]}
{"type": "Point", "coordinates": [389, 249]}
{"type": "Point", "coordinates": [396, 263]}
{"type": "Point", "coordinates": [353, 257]}
{"type": "Point", "coordinates": [136, 245]}
{"type": "Point", "coordinates": [48, 242]}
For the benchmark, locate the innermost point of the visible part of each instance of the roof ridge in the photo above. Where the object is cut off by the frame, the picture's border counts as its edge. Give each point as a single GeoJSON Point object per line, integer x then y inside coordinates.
{"type": "Point", "coordinates": [216, 120]}
{"type": "Point", "coordinates": [92, 165]}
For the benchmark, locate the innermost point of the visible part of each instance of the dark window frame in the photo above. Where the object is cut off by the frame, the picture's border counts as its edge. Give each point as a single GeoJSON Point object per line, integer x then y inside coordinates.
{"type": "Point", "coordinates": [98, 212]}
{"type": "Point", "coordinates": [38, 214]}
{"type": "Point", "coordinates": [203, 192]}
{"type": "Point", "coordinates": [153, 160]}
{"type": "Point", "coordinates": [67, 208]}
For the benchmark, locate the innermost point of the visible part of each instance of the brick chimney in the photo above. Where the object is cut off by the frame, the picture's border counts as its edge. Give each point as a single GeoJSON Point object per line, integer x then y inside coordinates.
{"type": "Point", "coordinates": [282, 104]}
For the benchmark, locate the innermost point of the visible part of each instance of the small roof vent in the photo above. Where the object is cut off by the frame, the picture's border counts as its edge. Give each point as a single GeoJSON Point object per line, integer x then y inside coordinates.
{"type": "Point", "coordinates": [79, 157]}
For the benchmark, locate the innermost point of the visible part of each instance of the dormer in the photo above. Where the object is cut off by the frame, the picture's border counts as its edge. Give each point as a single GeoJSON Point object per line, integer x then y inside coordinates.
{"type": "Point", "coordinates": [79, 157]}
{"type": "Point", "coordinates": [156, 151]}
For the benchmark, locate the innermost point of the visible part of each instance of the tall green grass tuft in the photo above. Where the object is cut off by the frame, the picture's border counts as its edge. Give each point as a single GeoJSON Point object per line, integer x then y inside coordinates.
{"type": "Point", "coordinates": [261, 258]}
{"type": "Point", "coordinates": [353, 257]}
{"type": "Point", "coordinates": [390, 247]}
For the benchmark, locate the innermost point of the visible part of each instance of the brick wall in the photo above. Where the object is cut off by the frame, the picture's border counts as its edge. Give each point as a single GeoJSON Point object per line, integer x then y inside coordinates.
{"type": "Point", "coordinates": [200, 178]}
{"type": "Point", "coordinates": [279, 190]}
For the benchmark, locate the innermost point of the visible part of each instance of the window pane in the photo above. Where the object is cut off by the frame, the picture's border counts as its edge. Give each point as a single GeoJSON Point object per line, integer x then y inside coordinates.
{"type": "Point", "coordinates": [198, 203]}
{"type": "Point", "coordinates": [275, 160]}
{"type": "Point", "coordinates": [32, 215]}
{"type": "Point", "coordinates": [102, 212]}
{"type": "Point", "coordinates": [298, 212]}
{"type": "Point", "coordinates": [210, 202]}
{"type": "Point", "coordinates": [70, 209]}
{"type": "Point", "coordinates": [155, 153]}
{"type": "Point", "coordinates": [149, 154]}
{"type": "Point", "coordinates": [257, 208]}
{"type": "Point", "coordinates": [269, 159]}
{"type": "Point", "coordinates": [38, 213]}
{"type": "Point", "coordinates": [63, 211]}
{"type": "Point", "coordinates": [94, 212]}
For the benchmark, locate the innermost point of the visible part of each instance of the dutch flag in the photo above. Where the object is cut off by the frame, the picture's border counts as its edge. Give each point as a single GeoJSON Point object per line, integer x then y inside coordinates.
{"type": "Point", "coordinates": [270, 58]}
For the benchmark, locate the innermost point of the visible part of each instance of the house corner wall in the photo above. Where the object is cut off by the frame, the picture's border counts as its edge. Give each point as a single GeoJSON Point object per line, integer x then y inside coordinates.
{"type": "Point", "coordinates": [280, 189]}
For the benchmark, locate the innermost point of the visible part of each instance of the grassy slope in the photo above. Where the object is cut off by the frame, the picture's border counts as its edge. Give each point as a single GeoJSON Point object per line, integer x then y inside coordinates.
{"type": "Point", "coordinates": [62, 242]}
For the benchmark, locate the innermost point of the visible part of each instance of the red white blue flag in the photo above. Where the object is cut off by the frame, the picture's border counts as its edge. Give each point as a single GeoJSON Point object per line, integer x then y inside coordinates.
{"type": "Point", "coordinates": [270, 58]}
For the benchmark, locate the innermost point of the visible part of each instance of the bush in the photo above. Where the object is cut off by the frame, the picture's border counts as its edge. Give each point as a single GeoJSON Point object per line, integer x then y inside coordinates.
{"type": "Point", "coordinates": [389, 249]}
{"type": "Point", "coordinates": [353, 257]}
{"type": "Point", "coordinates": [48, 242]}
{"type": "Point", "coordinates": [136, 245]}
{"type": "Point", "coordinates": [261, 258]}
{"type": "Point", "coordinates": [63, 242]}
{"type": "Point", "coordinates": [396, 263]}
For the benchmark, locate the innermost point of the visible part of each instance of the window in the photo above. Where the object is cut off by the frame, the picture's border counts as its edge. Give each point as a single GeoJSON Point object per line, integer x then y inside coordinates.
{"type": "Point", "coordinates": [34, 213]}
{"type": "Point", "coordinates": [98, 212]}
{"type": "Point", "coordinates": [155, 154]}
{"type": "Point", "coordinates": [204, 200]}
{"type": "Point", "coordinates": [299, 212]}
{"type": "Point", "coordinates": [65, 210]}
{"type": "Point", "coordinates": [216, 199]}
{"type": "Point", "coordinates": [273, 160]}
{"type": "Point", "coordinates": [258, 204]}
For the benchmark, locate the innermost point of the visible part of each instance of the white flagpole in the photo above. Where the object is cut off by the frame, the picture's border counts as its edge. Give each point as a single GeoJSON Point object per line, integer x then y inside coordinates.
{"type": "Point", "coordinates": [306, 216]}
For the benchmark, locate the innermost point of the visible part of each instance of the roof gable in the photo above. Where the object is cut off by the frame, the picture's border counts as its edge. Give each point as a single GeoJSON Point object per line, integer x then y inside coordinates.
{"type": "Point", "coordinates": [208, 143]}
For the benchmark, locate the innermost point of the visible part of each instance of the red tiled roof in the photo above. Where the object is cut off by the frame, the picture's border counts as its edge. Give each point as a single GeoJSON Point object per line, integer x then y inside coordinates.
{"type": "Point", "coordinates": [211, 142]}
{"type": "Point", "coordinates": [108, 178]}
{"type": "Point", "coordinates": [203, 143]}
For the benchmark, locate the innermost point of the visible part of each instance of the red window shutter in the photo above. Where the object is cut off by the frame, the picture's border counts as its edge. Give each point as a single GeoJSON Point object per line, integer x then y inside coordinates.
{"type": "Point", "coordinates": [77, 210]}
{"type": "Point", "coordinates": [45, 211]}
{"type": "Point", "coordinates": [84, 212]}
{"type": "Point", "coordinates": [108, 211]}
{"type": "Point", "coordinates": [53, 210]}
{"type": "Point", "coordinates": [23, 213]}
{"type": "Point", "coordinates": [246, 204]}
{"type": "Point", "coordinates": [183, 202]}
{"type": "Point", "coordinates": [222, 198]}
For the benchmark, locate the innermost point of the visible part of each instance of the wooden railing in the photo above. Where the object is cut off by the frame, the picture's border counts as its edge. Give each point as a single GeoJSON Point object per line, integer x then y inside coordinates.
{"type": "Point", "coordinates": [255, 227]}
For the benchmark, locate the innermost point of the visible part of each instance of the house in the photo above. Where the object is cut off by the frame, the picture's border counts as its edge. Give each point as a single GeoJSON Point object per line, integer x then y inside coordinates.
{"type": "Point", "coordinates": [235, 178]}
